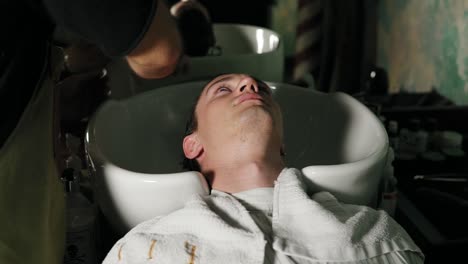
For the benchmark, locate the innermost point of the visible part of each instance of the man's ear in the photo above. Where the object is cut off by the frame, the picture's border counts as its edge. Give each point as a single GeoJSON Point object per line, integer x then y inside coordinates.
{"type": "Point", "coordinates": [192, 146]}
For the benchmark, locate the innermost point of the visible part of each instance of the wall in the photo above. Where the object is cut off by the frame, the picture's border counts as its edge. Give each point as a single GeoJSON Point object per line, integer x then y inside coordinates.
{"type": "Point", "coordinates": [283, 20]}
{"type": "Point", "coordinates": [424, 44]}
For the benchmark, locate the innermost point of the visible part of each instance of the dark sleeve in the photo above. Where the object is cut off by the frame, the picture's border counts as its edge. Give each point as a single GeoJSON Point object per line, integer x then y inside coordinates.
{"type": "Point", "coordinates": [116, 26]}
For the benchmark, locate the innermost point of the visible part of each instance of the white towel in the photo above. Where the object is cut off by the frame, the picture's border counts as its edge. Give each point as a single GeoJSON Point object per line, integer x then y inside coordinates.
{"type": "Point", "coordinates": [219, 229]}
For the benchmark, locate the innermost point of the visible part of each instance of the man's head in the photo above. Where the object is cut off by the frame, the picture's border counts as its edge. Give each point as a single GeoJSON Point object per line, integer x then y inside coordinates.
{"type": "Point", "coordinates": [234, 120]}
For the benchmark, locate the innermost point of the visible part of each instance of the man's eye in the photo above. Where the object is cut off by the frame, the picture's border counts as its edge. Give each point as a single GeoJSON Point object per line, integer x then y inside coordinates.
{"type": "Point", "coordinates": [223, 89]}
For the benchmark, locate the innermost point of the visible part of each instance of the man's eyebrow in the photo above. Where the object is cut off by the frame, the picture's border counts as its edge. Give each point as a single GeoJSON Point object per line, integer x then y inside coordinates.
{"type": "Point", "coordinates": [218, 81]}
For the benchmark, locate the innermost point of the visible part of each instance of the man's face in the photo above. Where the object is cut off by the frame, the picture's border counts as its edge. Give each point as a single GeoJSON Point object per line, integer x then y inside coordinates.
{"type": "Point", "coordinates": [236, 106]}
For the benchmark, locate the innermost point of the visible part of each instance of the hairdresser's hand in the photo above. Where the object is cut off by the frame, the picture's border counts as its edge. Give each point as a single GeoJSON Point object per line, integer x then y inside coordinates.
{"type": "Point", "coordinates": [157, 55]}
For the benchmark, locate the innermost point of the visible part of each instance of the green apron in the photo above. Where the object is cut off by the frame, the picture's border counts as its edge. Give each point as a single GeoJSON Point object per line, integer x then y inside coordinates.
{"type": "Point", "coordinates": [32, 218]}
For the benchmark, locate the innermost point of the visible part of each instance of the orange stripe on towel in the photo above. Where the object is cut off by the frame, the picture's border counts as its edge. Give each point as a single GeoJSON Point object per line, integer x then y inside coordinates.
{"type": "Point", "coordinates": [150, 253]}
{"type": "Point", "coordinates": [192, 252]}
{"type": "Point", "coordinates": [119, 254]}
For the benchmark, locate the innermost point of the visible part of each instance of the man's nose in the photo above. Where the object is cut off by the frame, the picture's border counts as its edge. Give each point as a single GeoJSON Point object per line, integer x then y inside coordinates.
{"type": "Point", "coordinates": [248, 84]}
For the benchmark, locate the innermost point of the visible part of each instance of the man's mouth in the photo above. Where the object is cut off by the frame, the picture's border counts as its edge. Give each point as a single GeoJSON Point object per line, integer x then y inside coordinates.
{"type": "Point", "coordinates": [247, 97]}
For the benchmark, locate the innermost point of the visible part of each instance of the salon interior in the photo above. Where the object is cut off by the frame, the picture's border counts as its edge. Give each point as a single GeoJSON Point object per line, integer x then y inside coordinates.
{"type": "Point", "coordinates": [374, 95]}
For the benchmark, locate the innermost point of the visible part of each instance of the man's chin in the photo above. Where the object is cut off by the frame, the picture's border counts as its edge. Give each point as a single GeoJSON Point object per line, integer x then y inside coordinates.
{"type": "Point", "coordinates": [255, 116]}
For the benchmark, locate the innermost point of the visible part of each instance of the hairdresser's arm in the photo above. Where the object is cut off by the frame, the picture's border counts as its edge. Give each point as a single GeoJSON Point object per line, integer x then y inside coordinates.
{"type": "Point", "coordinates": [157, 55]}
{"type": "Point", "coordinates": [142, 31]}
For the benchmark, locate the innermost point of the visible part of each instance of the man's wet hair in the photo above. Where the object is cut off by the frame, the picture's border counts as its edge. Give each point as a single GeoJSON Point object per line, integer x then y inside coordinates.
{"type": "Point", "coordinates": [190, 127]}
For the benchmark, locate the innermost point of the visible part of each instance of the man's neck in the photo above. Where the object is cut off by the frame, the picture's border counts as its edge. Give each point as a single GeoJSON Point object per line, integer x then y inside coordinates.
{"type": "Point", "coordinates": [238, 177]}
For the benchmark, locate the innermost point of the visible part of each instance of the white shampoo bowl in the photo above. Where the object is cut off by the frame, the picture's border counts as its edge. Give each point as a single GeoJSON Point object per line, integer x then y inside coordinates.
{"type": "Point", "coordinates": [134, 149]}
{"type": "Point", "coordinates": [249, 49]}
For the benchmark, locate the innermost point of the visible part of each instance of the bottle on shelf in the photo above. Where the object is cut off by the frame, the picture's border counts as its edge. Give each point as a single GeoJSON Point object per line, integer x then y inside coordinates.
{"type": "Point", "coordinates": [73, 160]}
{"type": "Point", "coordinates": [406, 150]}
{"type": "Point", "coordinates": [433, 161]}
{"type": "Point", "coordinates": [390, 193]}
{"type": "Point", "coordinates": [80, 243]}
{"type": "Point", "coordinates": [421, 138]}
{"type": "Point", "coordinates": [434, 134]}
{"type": "Point", "coordinates": [451, 147]}
{"type": "Point", "coordinates": [414, 139]}
{"type": "Point", "coordinates": [73, 146]}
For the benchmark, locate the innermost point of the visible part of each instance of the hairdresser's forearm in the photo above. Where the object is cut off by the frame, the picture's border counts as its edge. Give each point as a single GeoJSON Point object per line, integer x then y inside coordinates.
{"type": "Point", "coordinates": [158, 53]}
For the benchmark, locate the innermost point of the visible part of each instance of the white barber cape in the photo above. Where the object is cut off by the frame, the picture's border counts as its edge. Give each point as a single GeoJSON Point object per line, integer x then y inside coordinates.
{"type": "Point", "coordinates": [268, 225]}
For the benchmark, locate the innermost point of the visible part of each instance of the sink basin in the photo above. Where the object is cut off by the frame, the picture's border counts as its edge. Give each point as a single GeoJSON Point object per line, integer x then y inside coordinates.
{"type": "Point", "coordinates": [245, 49]}
{"type": "Point", "coordinates": [134, 149]}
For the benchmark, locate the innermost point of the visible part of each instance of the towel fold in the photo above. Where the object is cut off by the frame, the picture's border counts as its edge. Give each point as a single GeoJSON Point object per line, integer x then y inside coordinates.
{"type": "Point", "coordinates": [322, 228]}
